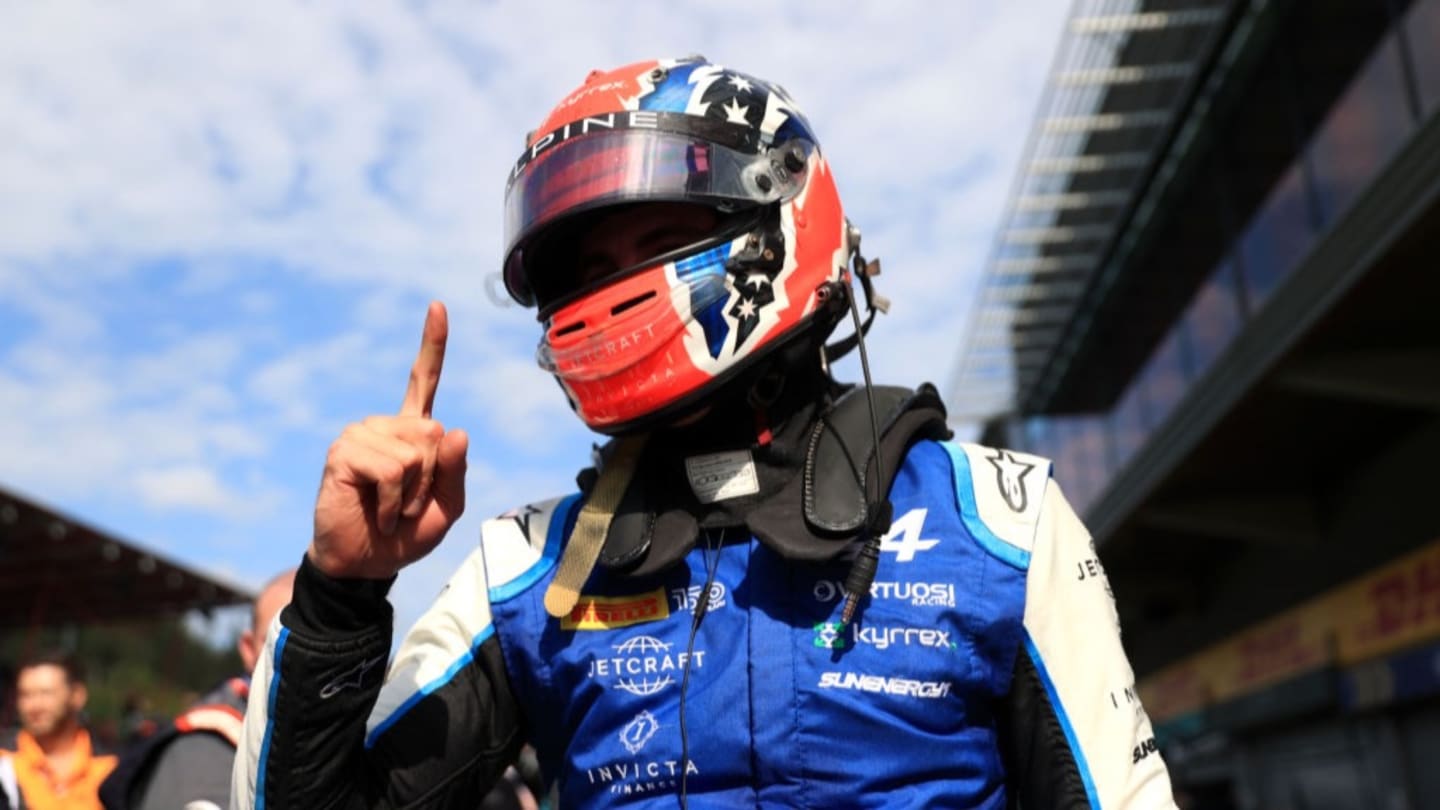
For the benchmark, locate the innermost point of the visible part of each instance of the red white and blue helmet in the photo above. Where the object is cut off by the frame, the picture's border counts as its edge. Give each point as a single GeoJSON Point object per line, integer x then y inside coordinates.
{"type": "Point", "coordinates": [647, 342]}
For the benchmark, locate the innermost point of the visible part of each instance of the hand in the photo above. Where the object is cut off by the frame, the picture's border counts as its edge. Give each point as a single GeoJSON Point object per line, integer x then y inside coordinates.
{"type": "Point", "coordinates": [393, 485]}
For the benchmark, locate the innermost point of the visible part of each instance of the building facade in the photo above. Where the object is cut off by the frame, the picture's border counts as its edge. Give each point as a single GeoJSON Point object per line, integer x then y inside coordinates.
{"type": "Point", "coordinates": [1215, 303]}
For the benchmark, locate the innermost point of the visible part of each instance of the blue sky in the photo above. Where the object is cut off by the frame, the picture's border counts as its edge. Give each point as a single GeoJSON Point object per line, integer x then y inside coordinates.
{"type": "Point", "coordinates": [220, 225]}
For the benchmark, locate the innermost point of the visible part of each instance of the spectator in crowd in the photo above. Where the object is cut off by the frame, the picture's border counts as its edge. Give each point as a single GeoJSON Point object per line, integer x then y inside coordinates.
{"type": "Point", "coordinates": [187, 763]}
{"type": "Point", "coordinates": [54, 764]}
{"type": "Point", "coordinates": [136, 720]}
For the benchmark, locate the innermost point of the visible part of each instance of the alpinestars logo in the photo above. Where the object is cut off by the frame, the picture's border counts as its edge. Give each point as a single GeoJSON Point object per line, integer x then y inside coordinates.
{"type": "Point", "coordinates": [352, 678]}
{"type": "Point", "coordinates": [1010, 475]}
{"type": "Point", "coordinates": [522, 517]}
{"type": "Point", "coordinates": [643, 665]}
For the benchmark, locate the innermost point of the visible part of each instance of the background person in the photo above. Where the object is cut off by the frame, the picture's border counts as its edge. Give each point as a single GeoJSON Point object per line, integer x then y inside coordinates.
{"type": "Point", "coordinates": [187, 763]}
{"type": "Point", "coordinates": [55, 765]}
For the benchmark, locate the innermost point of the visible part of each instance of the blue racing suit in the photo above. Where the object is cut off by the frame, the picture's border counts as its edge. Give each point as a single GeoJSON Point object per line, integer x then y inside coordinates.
{"type": "Point", "coordinates": [984, 669]}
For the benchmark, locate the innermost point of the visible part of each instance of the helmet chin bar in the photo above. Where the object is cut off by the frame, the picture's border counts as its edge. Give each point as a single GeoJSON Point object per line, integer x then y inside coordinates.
{"type": "Point", "coordinates": [738, 383]}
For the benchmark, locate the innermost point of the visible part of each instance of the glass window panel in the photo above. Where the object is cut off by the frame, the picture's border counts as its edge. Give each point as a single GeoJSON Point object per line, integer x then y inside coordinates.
{"type": "Point", "coordinates": [1422, 31]}
{"type": "Point", "coordinates": [1034, 433]}
{"type": "Point", "coordinates": [1067, 463]}
{"type": "Point", "coordinates": [1213, 318]}
{"type": "Point", "coordinates": [1093, 457]}
{"type": "Point", "coordinates": [1277, 237]}
{"type": "Point", "coordinates": [1362, 130]}
{"type": "Point", "coordinates": [1077, 447]}
{"type": "Point", "coordinates": [1127, 424]}
{"type": "Point", "coordinates": [1164, 379]}
{"type": "Point", "coordinates": [1058, 436]}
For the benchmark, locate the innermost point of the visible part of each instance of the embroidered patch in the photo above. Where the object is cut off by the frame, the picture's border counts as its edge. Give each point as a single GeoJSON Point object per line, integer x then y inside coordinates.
{"type": "Point", "coordinates": [608, 612]}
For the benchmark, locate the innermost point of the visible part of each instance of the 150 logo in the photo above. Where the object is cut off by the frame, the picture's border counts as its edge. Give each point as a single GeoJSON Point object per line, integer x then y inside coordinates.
{"type": "Point", "coordinates": [687, 598]}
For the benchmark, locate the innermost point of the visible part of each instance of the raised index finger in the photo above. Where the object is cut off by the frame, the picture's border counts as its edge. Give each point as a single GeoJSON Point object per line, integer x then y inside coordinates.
{"type": "Point", "coordinates": [425, 374]}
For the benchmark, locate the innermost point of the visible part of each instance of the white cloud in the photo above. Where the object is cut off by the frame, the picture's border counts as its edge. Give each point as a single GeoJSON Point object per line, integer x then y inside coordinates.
{"type": "Point", "coordinates": [196, 487]}
{"type": "Point", "coordinates": [307, 176]}
{"type": "Point", "coordinates": [290, 386]}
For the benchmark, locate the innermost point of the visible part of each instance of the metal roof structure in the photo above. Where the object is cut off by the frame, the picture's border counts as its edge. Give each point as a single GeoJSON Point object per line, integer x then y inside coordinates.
{"type": "Point", "coordinates": [56, 570]}
{"type": "Point", "coordinates": [1116, 95]}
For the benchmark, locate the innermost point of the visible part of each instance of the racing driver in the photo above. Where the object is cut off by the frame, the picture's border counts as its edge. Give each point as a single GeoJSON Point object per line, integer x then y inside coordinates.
{"type": "Point", "coordinates": [771, 589]}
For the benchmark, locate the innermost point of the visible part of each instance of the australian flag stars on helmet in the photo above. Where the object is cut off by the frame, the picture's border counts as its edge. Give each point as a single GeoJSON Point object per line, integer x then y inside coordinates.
{"type": "Point", "coordinates": [645, 343]}
{"type": "Point", "coordinates": [712, 91]}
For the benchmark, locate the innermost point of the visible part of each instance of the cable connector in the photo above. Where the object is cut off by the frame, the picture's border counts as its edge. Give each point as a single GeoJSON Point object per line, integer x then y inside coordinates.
{"type": "Point", "coordinates": [860, 578]}
{"type": "Point", "coordinates": [867, 562]}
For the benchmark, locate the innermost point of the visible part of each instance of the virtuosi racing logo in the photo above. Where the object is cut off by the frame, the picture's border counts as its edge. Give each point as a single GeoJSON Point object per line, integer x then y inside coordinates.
{"type": "Point", "coordinates": [920, 594]}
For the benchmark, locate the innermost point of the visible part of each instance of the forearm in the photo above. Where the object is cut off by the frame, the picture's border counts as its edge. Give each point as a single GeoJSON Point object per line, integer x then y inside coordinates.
{"type": "Point", "coordinates": [313, 687]}
{"type": "Point", "coordinates": [323, 731]}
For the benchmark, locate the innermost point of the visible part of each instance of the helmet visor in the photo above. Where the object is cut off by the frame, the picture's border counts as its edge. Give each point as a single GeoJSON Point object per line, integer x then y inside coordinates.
{"type": "Point", "coordinates": [636, 165]}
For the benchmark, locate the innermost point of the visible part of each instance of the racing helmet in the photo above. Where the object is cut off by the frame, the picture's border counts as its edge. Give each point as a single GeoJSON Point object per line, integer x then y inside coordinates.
{"type": "Point", "coordinates": [634, 346]}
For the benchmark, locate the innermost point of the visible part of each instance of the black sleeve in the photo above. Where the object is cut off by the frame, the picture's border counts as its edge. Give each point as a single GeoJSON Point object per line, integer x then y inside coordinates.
{"type": "Point", "coordinates": [324, 729]}
{"type": "Point", "coordinates": [1073, 732]}
{"type": "Point", "coordinates": [1041, 771]}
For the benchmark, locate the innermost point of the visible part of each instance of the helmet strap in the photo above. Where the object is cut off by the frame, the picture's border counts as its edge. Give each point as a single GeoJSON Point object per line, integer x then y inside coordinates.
{"type": "Point", "coordinates": [874, 302]}
{"type": "Point", "coordinates": [591, 526]}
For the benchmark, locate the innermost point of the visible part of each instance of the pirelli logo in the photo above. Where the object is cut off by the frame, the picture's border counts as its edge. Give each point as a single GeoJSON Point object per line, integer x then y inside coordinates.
{"type": "Point", "coordinates": [609, 612]}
